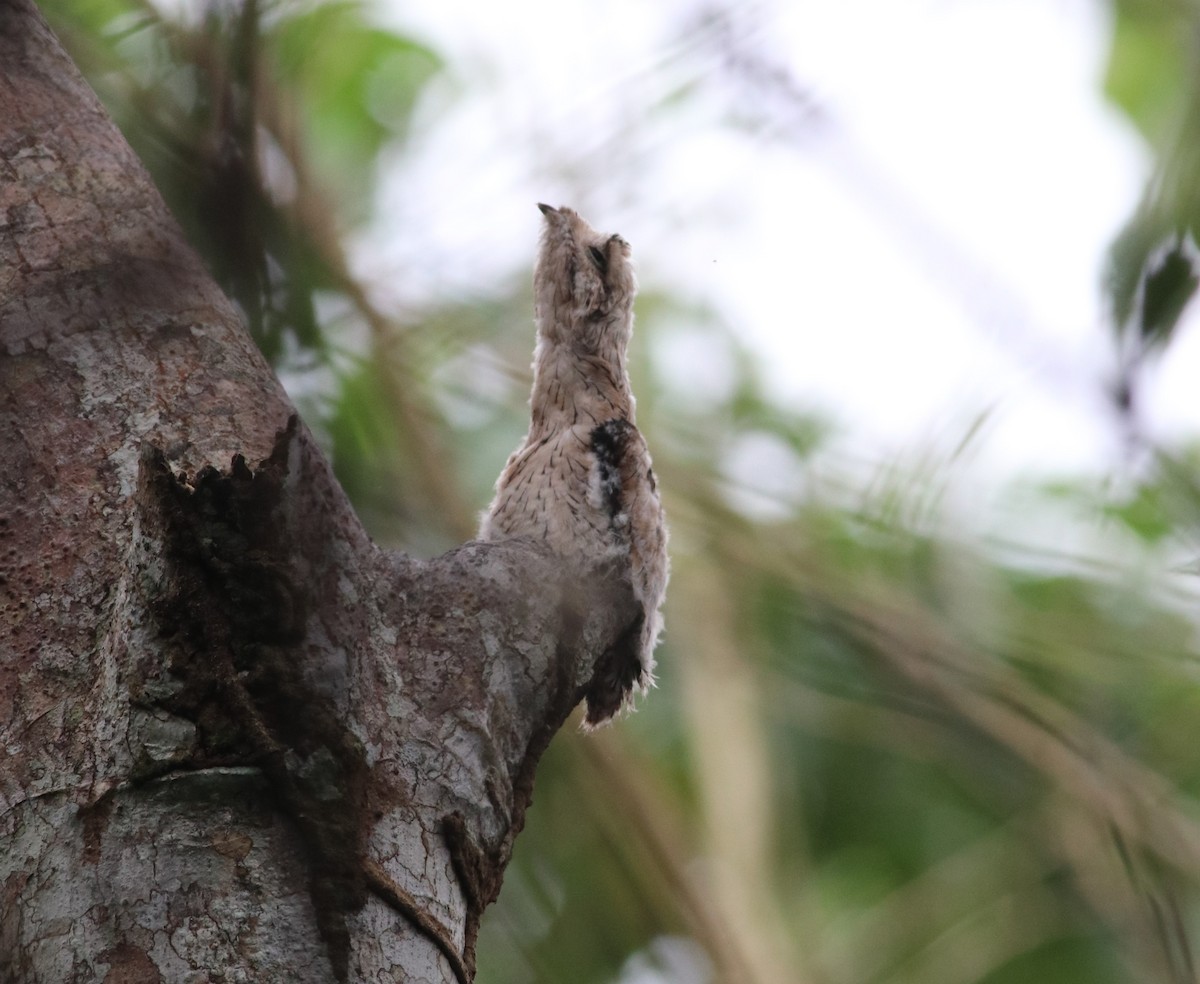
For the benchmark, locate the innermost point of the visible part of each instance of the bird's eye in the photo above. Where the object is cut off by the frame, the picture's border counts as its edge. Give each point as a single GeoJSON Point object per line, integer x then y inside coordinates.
{"type": "Point", "coordinates": [599, 258]}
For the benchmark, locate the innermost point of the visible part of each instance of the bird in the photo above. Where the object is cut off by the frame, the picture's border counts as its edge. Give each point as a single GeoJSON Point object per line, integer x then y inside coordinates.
{"type": "Point", "coordinates": [582, 481]}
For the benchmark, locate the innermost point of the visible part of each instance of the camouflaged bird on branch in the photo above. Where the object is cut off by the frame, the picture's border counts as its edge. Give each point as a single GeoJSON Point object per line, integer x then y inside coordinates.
{"type": "Point", "coordinates": [582, 480]}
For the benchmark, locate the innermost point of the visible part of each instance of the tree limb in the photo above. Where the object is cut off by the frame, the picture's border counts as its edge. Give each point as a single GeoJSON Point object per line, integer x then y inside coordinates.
{"type": "Point", "coordinates": [232, 729]}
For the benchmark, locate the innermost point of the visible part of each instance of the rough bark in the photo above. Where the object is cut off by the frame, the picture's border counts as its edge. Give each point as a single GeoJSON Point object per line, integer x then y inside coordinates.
{"type": "Point", "coordinates": [237, 740]}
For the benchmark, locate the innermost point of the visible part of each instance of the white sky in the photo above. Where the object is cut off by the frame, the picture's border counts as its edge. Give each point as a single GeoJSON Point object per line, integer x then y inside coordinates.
{"type": "Point", "coordinates": [932, 253]}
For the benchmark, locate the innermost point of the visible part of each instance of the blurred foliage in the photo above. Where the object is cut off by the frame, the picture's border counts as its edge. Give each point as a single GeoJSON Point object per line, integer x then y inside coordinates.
{"type": "Point", "coordinates": [884, 749]}
{"type": "Point", "coordinates": [1153, 76]}
{"type": "Point", "coordinates": [261, 123]}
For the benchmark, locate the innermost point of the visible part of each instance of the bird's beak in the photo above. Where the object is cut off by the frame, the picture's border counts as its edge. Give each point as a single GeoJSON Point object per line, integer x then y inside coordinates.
{"type": "Point", "coordinates": [546, 209]}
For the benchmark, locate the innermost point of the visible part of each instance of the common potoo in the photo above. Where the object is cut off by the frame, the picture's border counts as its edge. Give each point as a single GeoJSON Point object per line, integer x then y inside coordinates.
{"type": "Point", "coordinates": [581, 480]}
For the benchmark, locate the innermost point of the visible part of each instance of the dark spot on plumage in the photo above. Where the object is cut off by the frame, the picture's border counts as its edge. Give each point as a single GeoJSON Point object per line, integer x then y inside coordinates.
{"type": "Point", "coordinates": [610, 437]}
{"type": "Point", "coordinates": [608, 445]}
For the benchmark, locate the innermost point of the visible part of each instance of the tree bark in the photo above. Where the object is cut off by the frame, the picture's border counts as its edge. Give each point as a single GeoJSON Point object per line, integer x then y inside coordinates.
{"type": "Point", "coordinates": [238, 741]}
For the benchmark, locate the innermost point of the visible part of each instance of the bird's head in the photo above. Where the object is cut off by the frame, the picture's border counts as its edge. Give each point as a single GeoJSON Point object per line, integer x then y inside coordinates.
{"type": "Point", "coordinates": [583, 283]}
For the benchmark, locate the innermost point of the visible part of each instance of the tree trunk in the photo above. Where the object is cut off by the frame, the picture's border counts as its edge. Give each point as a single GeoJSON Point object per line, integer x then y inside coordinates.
{"type": "Point", "coordinates": [238, 741]}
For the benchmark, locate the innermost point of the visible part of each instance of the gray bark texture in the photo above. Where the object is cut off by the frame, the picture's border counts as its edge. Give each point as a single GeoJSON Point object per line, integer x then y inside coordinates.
{"type": "Point", "coordinates": [238, 741]}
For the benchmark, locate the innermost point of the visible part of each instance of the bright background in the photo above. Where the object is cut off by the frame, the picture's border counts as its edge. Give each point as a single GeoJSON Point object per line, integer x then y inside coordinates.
{"type": "Point", "coordinates": [908, 226]}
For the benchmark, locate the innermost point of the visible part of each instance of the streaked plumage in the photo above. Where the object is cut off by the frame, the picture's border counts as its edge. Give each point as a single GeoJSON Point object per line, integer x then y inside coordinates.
{"type": "Point", "coordinates": [582, 480]}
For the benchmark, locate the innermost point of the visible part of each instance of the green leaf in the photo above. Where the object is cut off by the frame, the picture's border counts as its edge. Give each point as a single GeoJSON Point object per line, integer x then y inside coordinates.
{"type": "Point", "coordinates": [1151, 276]}
{"type": "Point", "coordinates": [1170, 283]}
{"type": "Point", "coordinates": [1147, 66]}
{"type": "Point", "coordinates": [1127, 258]}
